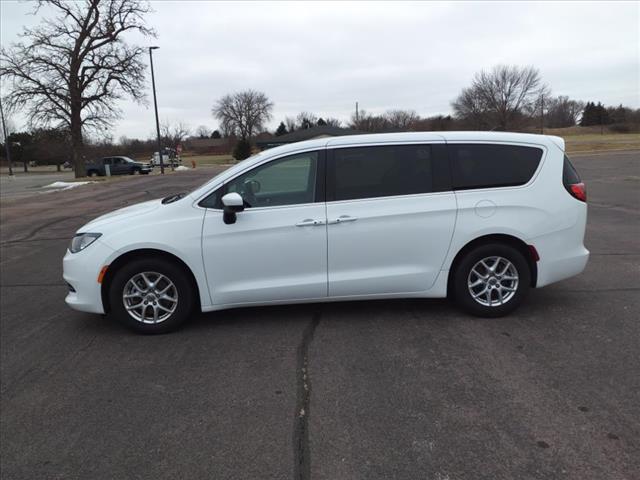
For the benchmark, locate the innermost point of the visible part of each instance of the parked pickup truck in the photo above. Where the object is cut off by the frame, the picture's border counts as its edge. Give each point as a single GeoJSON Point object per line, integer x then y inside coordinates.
{"type": "Point", "coordinates": [117, 166]}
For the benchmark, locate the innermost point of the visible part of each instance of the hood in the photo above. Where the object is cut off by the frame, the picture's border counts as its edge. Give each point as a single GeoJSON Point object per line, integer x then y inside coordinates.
{"type": "Point", "coordinates": [121, 214]}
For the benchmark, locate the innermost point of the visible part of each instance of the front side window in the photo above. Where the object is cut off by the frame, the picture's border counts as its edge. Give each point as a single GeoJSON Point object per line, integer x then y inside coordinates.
{"type": "Point", "coordinates": [490, 166]}
{"type": "Point", "coordinates": [286, 181]}
{"type": "Point", "coordinates": [383, 171]}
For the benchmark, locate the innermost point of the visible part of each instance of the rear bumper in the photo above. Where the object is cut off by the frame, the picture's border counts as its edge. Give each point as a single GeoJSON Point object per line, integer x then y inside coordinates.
{"type": "Point", "coordinates": [562, 253]}
{"type": "Point", "coordinates": [562, 268]}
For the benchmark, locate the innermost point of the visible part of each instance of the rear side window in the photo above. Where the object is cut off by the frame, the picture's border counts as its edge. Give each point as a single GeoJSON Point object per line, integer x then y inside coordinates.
{"type": "Point", "coordinates": [383, 171]}
{"type": "Point", "coordinates": [489, 166]}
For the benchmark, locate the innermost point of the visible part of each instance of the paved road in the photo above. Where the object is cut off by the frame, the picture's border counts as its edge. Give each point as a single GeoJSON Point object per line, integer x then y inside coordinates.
{"type": "Point", "coordinates": [398, 389]}
{"type": "Point", "coordinates": [24, 185]}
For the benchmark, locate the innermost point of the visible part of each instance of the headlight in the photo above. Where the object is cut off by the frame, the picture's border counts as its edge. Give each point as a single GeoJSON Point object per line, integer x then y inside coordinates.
{"type": "Point", "coordinates": [82, 241]}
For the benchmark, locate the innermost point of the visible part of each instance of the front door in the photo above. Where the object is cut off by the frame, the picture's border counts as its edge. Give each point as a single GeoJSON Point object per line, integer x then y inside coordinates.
{"type": "Point", "coordinates": [391, 215]}
{"type": "Point", "coordinates": [277, 248]}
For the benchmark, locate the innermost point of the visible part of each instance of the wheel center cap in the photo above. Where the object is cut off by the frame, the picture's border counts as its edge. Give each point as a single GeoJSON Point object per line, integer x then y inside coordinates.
{"type": "Point", "coordinates": [493, 280]}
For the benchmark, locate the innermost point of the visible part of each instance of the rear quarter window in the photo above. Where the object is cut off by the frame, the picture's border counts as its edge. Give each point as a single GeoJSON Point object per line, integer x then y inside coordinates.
{"type": "Point", "coordinates": [489, 166]}
{"type": "Point", "coordinates": [569, 173]}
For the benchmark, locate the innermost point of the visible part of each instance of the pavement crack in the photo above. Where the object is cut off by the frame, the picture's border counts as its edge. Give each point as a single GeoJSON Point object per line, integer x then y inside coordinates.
{"type": "Point", "coordinates": [30, 235]}
{"type": "Point", "coordinates": [301, 451]}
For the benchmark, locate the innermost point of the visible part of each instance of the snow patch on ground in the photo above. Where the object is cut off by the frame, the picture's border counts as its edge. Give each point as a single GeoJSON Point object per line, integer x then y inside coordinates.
{"type": "Point", "coordinates": [66, 185]}
{"type": "Point", "coordinates": [181, 168]}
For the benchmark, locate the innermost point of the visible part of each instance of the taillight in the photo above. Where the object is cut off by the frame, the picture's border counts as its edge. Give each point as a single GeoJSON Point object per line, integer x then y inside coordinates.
{"type": "Point", "coordinates": [579, 191]}
{"type": "Point", "coordinates": [571, 181]}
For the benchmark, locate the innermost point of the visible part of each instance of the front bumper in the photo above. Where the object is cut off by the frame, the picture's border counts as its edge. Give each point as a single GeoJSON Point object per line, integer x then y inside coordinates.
{"type": "Point", "coordinates": [80, 272]}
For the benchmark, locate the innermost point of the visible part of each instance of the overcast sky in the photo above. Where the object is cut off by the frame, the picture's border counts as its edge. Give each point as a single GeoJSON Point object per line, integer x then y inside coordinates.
{"type": "Point", "coordinates": [323, 57]}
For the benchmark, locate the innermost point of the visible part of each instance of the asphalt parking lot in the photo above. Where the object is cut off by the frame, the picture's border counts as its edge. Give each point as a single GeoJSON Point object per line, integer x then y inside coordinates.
{"type": "Point", "coordinates": [398, 389]}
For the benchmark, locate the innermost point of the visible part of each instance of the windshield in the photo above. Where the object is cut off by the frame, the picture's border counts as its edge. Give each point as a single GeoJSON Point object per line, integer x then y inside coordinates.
{"type": "Point", "coordinates": [128, 160]}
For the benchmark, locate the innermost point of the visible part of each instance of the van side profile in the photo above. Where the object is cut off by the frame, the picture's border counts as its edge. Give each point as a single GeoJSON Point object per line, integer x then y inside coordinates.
{"type": "Point", "coordinates": [480, 217]}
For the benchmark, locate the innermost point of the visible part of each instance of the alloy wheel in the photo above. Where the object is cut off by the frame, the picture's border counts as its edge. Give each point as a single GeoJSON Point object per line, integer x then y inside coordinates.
{"type": "Point", "coordinates": [150, 297]}
{"type": "Point", "coordinates": [493, 281]}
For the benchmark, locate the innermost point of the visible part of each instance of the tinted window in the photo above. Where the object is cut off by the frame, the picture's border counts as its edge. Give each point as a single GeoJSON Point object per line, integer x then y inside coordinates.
{"type": "Point", "coordinates": [485, 166]}
{"type": "Point", "coordinates": [569, 174]}
{"type": "Point", "coordinates": [107, 161]}
{"type": "Point", "coordinates": [286, 181]}
{"type": "Point", "coordinates": [367, 172]}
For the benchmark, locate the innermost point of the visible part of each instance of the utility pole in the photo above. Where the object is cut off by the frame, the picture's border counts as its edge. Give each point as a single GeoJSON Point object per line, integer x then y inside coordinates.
{"type": "Point", "coordinates": [542, 114]}
{"type": "Point", "coordinates": [6, 139]}
{"type": "Point", "coordinates": [155, 105]}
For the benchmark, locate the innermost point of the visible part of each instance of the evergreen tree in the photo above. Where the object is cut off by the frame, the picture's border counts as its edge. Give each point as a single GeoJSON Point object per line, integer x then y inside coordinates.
{"type": "Point", "coordinates": [242, 149]}
{"type": "Point", "coordinates": [321, 122]}
{"type": "Point", "coordinates": [282, 129]}
{"type": "Point", "coordinates": [588, 115]}
{"type": "Point", "coordinates": [215, 134]}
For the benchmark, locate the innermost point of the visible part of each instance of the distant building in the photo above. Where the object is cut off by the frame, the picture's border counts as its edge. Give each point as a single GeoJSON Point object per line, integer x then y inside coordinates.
{"type": "Point", "coordinates": [305, 134]}
{"type": "Point", "coordinates": [209, 145]}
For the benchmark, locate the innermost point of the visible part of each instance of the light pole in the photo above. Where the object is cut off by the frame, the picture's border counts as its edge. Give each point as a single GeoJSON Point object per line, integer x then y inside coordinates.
{"type": "Point", "coordinates": [6, 139]}
{"type": "Point", "coordinates": [155, 105]}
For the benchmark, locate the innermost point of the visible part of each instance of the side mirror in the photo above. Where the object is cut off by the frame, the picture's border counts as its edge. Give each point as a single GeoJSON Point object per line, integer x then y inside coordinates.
{"type": "Point", "coordinates": [233, 204]}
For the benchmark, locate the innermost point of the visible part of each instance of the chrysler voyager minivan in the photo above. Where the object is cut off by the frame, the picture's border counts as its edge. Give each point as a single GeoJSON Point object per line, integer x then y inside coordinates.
{"type": "Point", "coordinates": [480, 217]}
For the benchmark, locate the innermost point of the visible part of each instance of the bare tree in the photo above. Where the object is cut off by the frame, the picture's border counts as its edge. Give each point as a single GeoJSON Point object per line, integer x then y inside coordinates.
{"type": "Point", "coordinates": [173, 134]}
{"type": "Point", "coordinates": [291, 124]}
{"type": "Point", "coordinates": [368, 122]}
{"type": "Point", "coordinates": [73, 68]}
{"type": "Point", "coordinates": [497, 98]}
{"type": "Point", "coordinates": [203, 131]}
{"type": "Point", "coordinates": [401, 119]}
{"type": "Point", "coordinates": [243, 112]}
{"type": "Point", "coordinates": [561, 111]}
{"type": "Point", "coordinates": [306, 120]}
{"type": "Point", "coordinates": [469, 108]}
{"type": "Point", "coordinates": [333, 122]}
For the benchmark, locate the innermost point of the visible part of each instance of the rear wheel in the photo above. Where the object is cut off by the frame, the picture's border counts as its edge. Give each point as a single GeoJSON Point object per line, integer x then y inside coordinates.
{"type": "Point", "coordinates": [151, 295]}
{"type": "Point", "coordinates": [491, 280]}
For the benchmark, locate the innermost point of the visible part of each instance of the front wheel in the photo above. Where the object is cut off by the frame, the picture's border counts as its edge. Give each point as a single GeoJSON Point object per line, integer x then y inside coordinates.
{"type": "Point", "coordinates": [491, 280]}
{"type": "Point", "coordinates": [151, 296]}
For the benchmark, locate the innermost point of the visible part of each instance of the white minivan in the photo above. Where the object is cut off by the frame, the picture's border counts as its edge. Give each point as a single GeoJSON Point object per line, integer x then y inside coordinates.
{"type": "Point", "coordinates": [479, 217]}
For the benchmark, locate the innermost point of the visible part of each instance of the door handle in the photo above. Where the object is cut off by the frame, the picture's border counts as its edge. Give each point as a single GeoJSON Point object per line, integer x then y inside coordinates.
{"type": "Point", "coordinates": [309, 222]}
{"type": "Point", "coordinates": [343, 219]}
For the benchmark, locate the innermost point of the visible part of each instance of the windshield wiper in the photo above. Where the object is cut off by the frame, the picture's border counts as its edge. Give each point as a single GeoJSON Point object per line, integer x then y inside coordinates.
{"type": "Point", "coordinates": [173, 198]}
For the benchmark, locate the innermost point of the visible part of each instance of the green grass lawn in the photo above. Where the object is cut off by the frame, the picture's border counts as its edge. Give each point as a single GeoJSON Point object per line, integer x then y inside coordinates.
{"type": "Point", "coordinates": [203, 160]}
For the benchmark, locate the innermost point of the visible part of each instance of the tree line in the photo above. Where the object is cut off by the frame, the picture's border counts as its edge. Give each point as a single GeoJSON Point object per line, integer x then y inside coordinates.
{"type": "Point", "coordinates": [67, 74]}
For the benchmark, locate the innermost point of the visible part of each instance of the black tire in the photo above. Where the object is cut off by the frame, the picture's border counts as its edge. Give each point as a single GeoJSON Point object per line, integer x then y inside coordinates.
{"type": "Point", "coordinates": [135, 171]}
{"type": "Point", "coordinates": [91, 173]}
{"type": "Point", "coordinates": [175, 273]}
{"type": "Point", "coordinates": [461, 280]}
